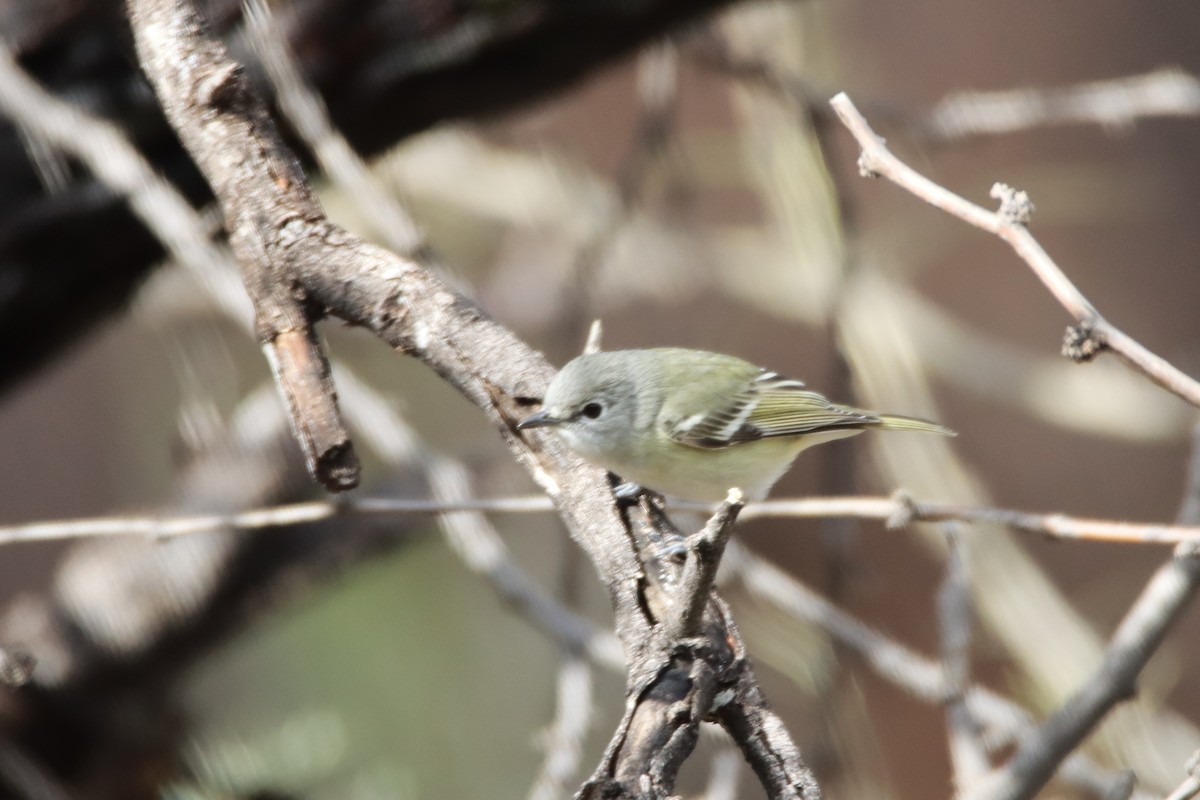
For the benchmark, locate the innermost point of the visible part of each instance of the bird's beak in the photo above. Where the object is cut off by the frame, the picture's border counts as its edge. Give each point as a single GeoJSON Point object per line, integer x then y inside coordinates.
{"type": "Point", "coordinates": [539, 420]}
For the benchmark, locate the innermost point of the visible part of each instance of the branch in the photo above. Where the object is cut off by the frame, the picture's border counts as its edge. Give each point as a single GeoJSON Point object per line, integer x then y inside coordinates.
{"type": "Point", "coordinates": [1135, 640]}
{"type": "Point", "coordinates": [1112, 104]}
{"type": "Point", "coordinates": [1092, 333]}
{"type": "Point", "coordinates": [306, 112]}
{"type": "Point", "coordinates": [1003, 720]}
{"type": "Point", "coordinates": [299, 267]}
{"type": "Point", "coordinates": [898, 510]}
{"type": "Point", "coordinates": [270, 210]}
{"type": "Point", "coordinates": [704, 551]}
{"type": "Point", "coordinates": [955, 612]}
{"type": "Point", "coordinates": [467, 532]}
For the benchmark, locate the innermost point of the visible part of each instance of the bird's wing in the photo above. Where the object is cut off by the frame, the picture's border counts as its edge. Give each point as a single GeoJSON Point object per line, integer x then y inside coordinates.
{"type": "Point", "coordinates": [767, 405]}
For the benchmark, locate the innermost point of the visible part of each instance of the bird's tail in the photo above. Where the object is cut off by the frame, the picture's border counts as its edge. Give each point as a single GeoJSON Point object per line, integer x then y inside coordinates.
{"type": "Point", "coordinates": [893, 422]}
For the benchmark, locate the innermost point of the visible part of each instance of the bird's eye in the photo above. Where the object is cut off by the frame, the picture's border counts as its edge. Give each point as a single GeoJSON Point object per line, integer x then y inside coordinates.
{"type": "Point", "coordinates": [593, 410]}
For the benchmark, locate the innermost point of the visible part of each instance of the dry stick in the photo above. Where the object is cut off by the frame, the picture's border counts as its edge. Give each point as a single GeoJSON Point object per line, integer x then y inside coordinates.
{"type": "Point", "coordinates": [1092, 333]}
{"type": "Point", "coordinates": [1113, 104]}
{"type": "Point", "coordinates": [1191, 784]}
{"type": "Point", "coordinates": [283, 239]}
{"type": "Point", "coordinates": [116, 161]}
{"type": "Point", "coordinates": [283, 322]}
{"type": "Point", "coordinates": [1187, 790]}
{"type": "Point", "coordinates": [898, 511]}
{"type": "Point", "coordinates": [1003, 720]}
{"type": "Point", "coordinates": [967, 754]}
{"type": "Point", "coordinates": [1135, 641]}
{"type": "Point", "coordinates": [261, 234]}
{"type": "Point", "coordinates": [107, 152]}
{"type": "Point", "coordinates": [687, 679]}
{"type": "Point", "coordinates": [704, 551]}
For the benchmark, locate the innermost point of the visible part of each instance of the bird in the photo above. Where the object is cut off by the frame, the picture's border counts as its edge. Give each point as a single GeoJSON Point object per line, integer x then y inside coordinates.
{"type": "Point", "coordinates": [693, 424]}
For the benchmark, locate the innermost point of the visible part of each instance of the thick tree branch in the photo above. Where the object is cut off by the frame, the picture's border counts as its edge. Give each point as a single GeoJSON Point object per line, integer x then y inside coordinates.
{"type": "Point", "coordinates": [299, 267]}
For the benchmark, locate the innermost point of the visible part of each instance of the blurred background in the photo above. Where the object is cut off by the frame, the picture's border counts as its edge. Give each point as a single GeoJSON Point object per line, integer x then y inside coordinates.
{"type": "Point", "coordinates": [673, 170]}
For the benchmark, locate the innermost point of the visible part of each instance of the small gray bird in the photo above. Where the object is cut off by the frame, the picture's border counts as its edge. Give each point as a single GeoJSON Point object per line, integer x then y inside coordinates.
{"type": "Point", "coordinates": [694, 424]}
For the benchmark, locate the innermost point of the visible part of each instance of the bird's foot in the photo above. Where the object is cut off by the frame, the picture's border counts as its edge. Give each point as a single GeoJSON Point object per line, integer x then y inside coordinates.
{"type": "Point", "coordinates": [627, 494]}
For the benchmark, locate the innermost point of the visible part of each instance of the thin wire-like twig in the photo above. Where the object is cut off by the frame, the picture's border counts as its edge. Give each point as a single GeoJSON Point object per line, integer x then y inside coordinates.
{"type": "Point", "coordinates": [1187, 790]}
{"type": "Point", "coordinates": [1092, 333]}
{"type": "Point", "coordinates": [897, 511]}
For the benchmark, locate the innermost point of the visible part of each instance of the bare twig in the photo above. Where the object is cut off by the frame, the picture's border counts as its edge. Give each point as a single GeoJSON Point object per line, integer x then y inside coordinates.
{"type": "Point", "coordinates": [766, 744]}
{"type": "Point", "coordinates": [1002, 721]}
{"type": "Point", "coordinates": [704, 551]}
{"type": "Point", "coordinates": [595, 334]}
{"type": "Point", "coordinates": [967, 754]}
{"type": "Point", "coordinates": [283, 516]}
{"type": "Point", "coordinates": [283, 323]}
{"type": "Point", "coordinates": [897, 511]}
{"type": "Point", "coordinates": [1187, 790]}
{"type": "Point", "coordinates": [1112, 104]}
{"type": "Point", "coordinates": [107, 152]}
{"type": "Point", "coordinates": [1091, 333]}
{"type": "Point", "coordinates": [1132, 645]}
{"type": "Point", "coordinates": [1191, 784]}
{"type": "Point", "coordinates": [1117, 104]}
{"type": "Point", "coordinates": [207, 90]}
